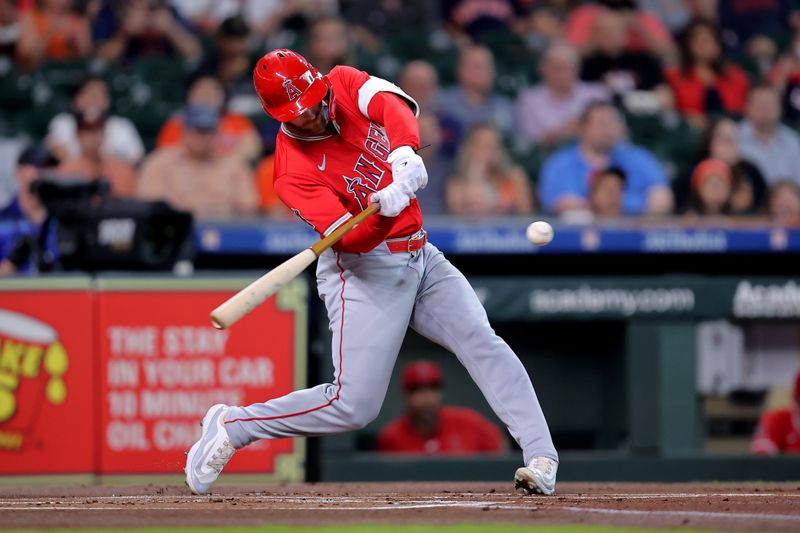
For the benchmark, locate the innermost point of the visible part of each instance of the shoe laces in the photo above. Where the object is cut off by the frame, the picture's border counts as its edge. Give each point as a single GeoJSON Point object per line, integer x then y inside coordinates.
{"type": "Point", "coordinates": [223, 455]}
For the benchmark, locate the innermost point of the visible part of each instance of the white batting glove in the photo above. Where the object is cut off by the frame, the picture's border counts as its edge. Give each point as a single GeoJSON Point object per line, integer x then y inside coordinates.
{"type": "Point", "coordinates": [393, 199]}
{"type": "Point", "coordinates": [408, 169]}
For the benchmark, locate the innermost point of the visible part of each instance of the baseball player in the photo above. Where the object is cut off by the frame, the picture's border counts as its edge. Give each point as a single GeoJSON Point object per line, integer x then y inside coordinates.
{"type": "Point", "coordinates": [348, 139]}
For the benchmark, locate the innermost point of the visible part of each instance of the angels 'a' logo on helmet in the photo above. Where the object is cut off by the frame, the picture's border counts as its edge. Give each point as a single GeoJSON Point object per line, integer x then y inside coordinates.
{"type": "Point", "coordinates": [291, 91]}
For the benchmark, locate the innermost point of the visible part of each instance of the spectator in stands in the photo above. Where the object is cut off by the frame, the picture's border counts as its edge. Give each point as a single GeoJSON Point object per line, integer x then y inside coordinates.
{"type": "Point", "coordinates": [120, 138]}
{"type": "Point", "coordinates": [236, 134]}
{"type": "Point", "coordinates": [266, 17]}
{"type": "Point", "coordinates": [705, 83]}
{"type": "Point", "coordinates": [473, 100]}
{"type": "Point", "coordinates": [676, 14]}
{"type": "Point", "coordinates": [433, 198]}
{"type": "Point", "coordinates": [542, 26]}
{"type": "Point", "coordinates": [785, 77]}
{"type": "Point", "coordinates": [268, 200]}
{"type": "Point", "coordinates": [373, 20]}
{"type": "Point", "coordinates": [606, 193]}
{"type": "Point", "coordinates": [712, 186]}
{"type": "Point", "coordinates": [548, 112]}
{"type": "Point", "coordinates": [148, 28]}
{"type": "Point", "coordinates": [564, 181]}
{"type": "Point", "coordinates": [25, 214]}
{"type": "Point", "coordinates": [745, 23]}
{"type": "Point", "coordinates": [91, 164]}
{"type": "Point", "coordinates": [609, 62]}
{"type": "Point", "coordinates": [720, 141]}
{"type": "Point", "coordinates": [230, 63]}
{"type": "Point", "coordinates": [778, 430]}
{"type": "Point", "coordinates": [9, 28]}
{"type": "Point", "coordinates": [329, 44]}
{"type": "Point", "coordinates": [467, 19]}
{"type": "Point", "coordinates": [429, 427]}
{"type": "Point", "coordinates": [52, 31]}
{"type": "Point", "coordinates": [784, 204]}
{"type": "Point", "coordinates": [642, 30]}
{"type": "Point", "coordinates": [486, 182]}
{"type": "Point", "coordinates": [419, 79]}
{"type": "Point", "coordinates": [191, 177]}
{"type": "Point", "coordinates": [771, 146]}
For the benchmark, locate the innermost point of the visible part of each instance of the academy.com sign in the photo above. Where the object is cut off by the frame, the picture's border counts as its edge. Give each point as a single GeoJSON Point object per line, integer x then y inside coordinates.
{"type": "Point", "coordinates": [627, 302]}
{"type": "Point", "coordinates": [770, 301]}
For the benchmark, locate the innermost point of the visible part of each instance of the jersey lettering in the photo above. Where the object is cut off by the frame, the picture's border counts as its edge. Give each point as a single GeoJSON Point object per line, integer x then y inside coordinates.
{"type": "Point", "coordinates": [291, 91]}
{"type": "Point", "coordinates": [377, 142]}
{"type": "Point", "coordinates": [367, 181]}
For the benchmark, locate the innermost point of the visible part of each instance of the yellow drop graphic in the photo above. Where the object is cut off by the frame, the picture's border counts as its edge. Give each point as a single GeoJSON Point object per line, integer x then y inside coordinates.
{"type": "Point", "coordinates": [55, 360]}
{"type": "Point", "coordinates": [56, 391]}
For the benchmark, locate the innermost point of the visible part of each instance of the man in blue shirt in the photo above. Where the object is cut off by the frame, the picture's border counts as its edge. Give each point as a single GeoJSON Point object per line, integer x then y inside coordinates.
{"type": "Point", "coordinates": [566, 175]}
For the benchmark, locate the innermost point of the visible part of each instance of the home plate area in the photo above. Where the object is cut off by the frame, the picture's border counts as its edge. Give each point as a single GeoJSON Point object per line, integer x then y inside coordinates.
{"type": "Point", "coordinates": [729, 507]}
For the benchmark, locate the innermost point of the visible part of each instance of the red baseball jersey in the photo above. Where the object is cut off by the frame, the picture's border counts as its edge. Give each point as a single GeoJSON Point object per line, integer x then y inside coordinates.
{"type": "Point", "coordinates": [461, 431]}
{"type": "Point", "coordinates": [778, 432]}
{"type": "Point", "coordinates": [327, 179]}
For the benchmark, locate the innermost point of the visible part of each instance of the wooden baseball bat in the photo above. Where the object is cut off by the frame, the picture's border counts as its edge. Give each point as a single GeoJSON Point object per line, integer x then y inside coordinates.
{"type": "Point", "coordinates": [257, 292]}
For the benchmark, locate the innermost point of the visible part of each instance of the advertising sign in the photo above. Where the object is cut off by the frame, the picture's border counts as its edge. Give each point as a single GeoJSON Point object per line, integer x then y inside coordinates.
{"type": "Point", "coordinates": [162, 365]}
{"type": "Point", "coordinates": [47, 381]}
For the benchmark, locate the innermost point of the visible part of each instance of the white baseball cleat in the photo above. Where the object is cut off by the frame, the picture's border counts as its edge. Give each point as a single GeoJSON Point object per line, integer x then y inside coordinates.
{"type": "Point", "coordinates": [210, 453]}
{"type": "Point", "coordinates": [539, 477]}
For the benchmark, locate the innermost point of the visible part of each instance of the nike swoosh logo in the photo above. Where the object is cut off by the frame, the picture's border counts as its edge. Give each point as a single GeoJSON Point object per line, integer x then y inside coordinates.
{"type": "Point", "coordinates": [322, 166]}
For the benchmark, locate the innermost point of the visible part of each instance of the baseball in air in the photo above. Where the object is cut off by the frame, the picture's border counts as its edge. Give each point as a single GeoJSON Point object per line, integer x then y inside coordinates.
{"type": "Point", "coordinates": [539, 233]}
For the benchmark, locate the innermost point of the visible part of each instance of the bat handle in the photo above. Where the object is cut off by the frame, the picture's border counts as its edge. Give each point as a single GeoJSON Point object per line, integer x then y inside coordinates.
{"type": "Point", "coordinates": [342, 230]}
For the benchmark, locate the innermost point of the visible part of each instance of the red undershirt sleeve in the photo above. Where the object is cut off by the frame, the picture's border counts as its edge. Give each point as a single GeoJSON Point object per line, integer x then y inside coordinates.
{"type": "Point", "coordinates": [394, 114]}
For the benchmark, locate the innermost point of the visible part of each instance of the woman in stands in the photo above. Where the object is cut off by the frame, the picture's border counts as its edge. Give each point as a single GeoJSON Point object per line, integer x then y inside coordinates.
{"type": "Point", "coordinates": [705, 83]}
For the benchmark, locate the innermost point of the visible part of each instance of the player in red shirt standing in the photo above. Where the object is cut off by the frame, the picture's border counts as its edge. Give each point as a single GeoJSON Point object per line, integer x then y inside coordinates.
{"type": "Point", "coordinates": [348, 139]}
{"type": "Point", "coordinates": [429, 427]}
{"type": "Point", "coordinates": [779, 430]}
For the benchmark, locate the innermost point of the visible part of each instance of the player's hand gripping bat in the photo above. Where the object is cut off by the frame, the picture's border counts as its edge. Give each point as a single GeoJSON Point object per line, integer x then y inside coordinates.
{"type": "Point", "coordinates": [257, 292]}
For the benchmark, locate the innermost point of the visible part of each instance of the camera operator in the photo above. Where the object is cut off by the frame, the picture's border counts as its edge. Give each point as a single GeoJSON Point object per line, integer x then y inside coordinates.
{"type": "Point", "coordinates": [24, 245]}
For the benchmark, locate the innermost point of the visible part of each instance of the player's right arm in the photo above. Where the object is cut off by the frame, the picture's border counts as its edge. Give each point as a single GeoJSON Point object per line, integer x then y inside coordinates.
{"type": "Point", "coordinates": [320, 207]}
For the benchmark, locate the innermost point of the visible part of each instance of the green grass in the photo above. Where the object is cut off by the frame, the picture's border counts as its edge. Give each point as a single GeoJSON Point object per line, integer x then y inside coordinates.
{"type": "Point", "coordinates": [384, 528]}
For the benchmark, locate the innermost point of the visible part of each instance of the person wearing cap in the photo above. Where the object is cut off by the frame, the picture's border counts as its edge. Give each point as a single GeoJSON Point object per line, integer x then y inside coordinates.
{"type": "Point", "coordinates": [778, 430]}
{"type": "Point", "coordinates": [236, 134]}
{"type": "Point", "coordinates": [712, 186]}
{"type": "Point", "coordinates": [92, 163]}
{"type": "Point", "coordinates": [190, 176]}
{"type": "Point", "coordinates": [25, 214]}
{"type": "Point", "coordinates": [428, 427]}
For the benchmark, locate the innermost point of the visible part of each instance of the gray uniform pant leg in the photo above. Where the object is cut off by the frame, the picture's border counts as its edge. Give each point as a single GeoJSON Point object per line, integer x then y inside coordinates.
{"type": "Point", "coordinates": [448, 312]}
{"type": "Point", "coordinates": [369, 299]}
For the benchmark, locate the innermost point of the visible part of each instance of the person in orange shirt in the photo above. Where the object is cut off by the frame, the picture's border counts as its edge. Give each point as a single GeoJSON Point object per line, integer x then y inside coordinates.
{"type": "Point", "coordinates": [779, 430]}
{"type": "Point", "coordinates": [428, 427]}
{"type": "Point", "coordinates": [91, 164]}
{"type": "Point", "coordinates": [52, 30]}
{"type": "Point", "coordinates": [236, 134]}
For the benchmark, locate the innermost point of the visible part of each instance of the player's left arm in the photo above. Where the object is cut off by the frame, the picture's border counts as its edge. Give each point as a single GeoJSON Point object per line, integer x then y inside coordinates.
{"type": "Point", "coordinates": [387, 105]}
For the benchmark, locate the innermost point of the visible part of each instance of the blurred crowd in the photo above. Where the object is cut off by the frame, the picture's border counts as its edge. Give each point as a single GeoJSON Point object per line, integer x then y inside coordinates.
{"type": "Point", "coordinates": [585, 110]}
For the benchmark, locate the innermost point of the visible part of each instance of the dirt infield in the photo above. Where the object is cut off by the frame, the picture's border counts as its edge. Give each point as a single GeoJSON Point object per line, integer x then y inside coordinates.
{"type": "Point", "coordinates": [753, 507]}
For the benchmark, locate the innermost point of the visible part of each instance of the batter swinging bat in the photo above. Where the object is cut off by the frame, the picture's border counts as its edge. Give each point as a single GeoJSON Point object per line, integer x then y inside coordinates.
{"type": "Point", "coordinates": [257, 292]}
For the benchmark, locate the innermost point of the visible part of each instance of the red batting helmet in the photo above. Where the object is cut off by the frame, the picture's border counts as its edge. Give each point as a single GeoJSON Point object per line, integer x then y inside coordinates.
{"type": "Point", "coordinates": [287, 84]}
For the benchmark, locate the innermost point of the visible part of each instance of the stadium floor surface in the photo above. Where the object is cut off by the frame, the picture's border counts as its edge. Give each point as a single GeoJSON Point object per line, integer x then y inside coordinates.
{"type": "Point", "coordinates": [718, 507]}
